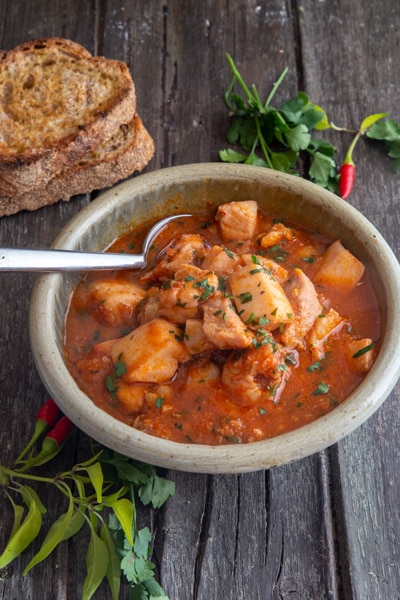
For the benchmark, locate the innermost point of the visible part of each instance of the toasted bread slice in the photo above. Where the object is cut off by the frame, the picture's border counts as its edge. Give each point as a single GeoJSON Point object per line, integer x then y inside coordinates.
{"type": "Point", "coordinates": [129, 150]}
{"type": "Point", "coordinates": [57, 103]}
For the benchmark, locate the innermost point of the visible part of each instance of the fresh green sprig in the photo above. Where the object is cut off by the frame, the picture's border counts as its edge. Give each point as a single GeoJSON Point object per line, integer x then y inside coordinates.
{"type": "Point", "coordinates": [284, 138]}
{"type": "Point", "coordinates": [106, 483]}
{"type": "Point", "coordinates": [276, 138]}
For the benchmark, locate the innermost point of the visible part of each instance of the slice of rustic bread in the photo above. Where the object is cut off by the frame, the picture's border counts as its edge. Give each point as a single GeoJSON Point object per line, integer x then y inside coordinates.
{"type": "Point", "coordinates": [129, 150]}
{"type": "Point", "coordinates": [57, 103]}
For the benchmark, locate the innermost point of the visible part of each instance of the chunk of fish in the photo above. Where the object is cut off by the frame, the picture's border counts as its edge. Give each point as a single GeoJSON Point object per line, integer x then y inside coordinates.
{"type": "Point", "coordinates": [237, 220]}
{"type": "Point", "coordinates": [151, 353]}
{"type": "Point", "coordinates": [202, 371]}
{"type": "Point", "coordinates": [306, 308]}
{"type": "Point", "coordinates": [222, 325]}
{"type": "Point", "coordinates": [189, 249]}
{"type": "Point", "coordinates": [256, 373]}
{"type": "Point", "coordinates": [220, 260]}
{"type": "Point", "coordinates": [259, 298]}
{"type": "Point", "coordinates": [182, 298]}
{"type": "Point", "coordinates": [113, 302]}
{"type": "Point", "coordinates": [195, 339]}
{"type": "Point", "coordinates": [275, 235]}
{"type": "Point", "coordinates": [323, 328]}
{"type": "Point", "coordinates": [269, 266]}
{"type": "Point", "coordinates": [131, 396]}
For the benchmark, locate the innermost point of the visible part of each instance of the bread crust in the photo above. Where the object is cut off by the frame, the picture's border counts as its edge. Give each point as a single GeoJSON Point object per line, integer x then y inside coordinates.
{"type": "Point", "coordinates": [128, 151]}
{"type": "Point", "coordinates": [49, 114]}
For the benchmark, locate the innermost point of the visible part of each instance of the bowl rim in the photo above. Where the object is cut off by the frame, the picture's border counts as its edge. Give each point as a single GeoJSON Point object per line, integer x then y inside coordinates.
{"type": "Point", "coordinates": [230, 458]}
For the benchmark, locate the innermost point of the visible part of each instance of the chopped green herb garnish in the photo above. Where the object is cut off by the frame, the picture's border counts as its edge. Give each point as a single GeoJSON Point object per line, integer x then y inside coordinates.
{"type": "Point", "coordinates": [316, 366]}
{"type": "Point", "coordinates": [245, 297]}
{"type": "Point", "coordinates": [323, 388]}
{"type": "Point", "coordinates": [364, 350]}
{"type": "Point", "coordinates": [229, 253]}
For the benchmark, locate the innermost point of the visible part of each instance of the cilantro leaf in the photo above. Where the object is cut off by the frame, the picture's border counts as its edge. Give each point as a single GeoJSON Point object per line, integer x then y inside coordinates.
{"type": "Point", "coordinates": [156, 491]}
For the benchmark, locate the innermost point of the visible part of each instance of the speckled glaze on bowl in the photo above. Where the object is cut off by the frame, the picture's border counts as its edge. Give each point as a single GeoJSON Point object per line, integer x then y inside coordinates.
{"type": "Point", "coordinates": [182, 189]}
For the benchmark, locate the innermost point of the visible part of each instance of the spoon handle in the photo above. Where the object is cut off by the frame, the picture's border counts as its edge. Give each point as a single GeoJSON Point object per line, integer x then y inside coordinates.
{"type": "Point", "coordinates": [21, 259]}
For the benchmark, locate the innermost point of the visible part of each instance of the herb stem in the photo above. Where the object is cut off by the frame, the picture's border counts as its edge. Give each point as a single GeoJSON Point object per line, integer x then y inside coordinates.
{"type": "Point", "coordinates": [263, 144]}
{"type": "Point", "coordinates": [275, 87]}
{"type": "Point", "coordinates": [238, 77]}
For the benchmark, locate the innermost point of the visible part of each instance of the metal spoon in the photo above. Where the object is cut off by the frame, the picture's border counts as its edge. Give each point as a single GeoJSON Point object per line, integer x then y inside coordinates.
{"type": "Point", "coordinates": [25, 259]}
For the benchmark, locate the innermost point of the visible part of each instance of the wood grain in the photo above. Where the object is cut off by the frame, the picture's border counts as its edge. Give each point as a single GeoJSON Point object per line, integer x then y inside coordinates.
{"type": "Point", "coordinates": [326, 527]}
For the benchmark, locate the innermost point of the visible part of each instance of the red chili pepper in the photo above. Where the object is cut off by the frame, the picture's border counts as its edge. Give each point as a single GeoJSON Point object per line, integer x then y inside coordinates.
{"type": "Point", "coordinates": [58, 434]}
{"type": "Point", "coordinates": [346, 180]}
{"type": "Point", "coordinates": [45, 418]}
{"type": "Point", "coordinates": [48, 413]}
{"type": "Point", "coordinates": [52, 443]}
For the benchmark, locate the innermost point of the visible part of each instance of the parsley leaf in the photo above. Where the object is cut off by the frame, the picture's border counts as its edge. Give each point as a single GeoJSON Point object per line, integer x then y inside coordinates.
{"type": "Point", "coordinates": [388, 131]}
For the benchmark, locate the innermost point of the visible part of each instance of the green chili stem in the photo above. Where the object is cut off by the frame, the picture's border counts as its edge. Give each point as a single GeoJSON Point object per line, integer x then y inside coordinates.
{"type": "Point", "coordinates": [348, 159]}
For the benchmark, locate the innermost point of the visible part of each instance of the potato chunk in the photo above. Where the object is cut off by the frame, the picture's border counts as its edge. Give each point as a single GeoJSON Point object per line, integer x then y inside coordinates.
{"type": "Point", "coordinates": [237, 220]}
{"type": "Point", "coordinates": [151, 353]}
{"type": "Point", "coordinates": [339, 268]}
{"type": "Point", "coordinates": [259, 298]}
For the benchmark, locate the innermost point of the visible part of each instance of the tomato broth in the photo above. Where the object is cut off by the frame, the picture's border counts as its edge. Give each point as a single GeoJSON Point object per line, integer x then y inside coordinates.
{"type": "Point", "coordinates": [150, 348]}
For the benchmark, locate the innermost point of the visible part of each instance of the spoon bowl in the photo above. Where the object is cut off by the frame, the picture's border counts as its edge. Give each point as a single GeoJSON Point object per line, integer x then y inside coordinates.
{"type": "Point", "coordinates": [26, 259]}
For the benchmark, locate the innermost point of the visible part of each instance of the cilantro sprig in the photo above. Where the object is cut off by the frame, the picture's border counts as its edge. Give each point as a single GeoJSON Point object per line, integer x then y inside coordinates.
{"type": "Point", "coordinates": [287, 138]}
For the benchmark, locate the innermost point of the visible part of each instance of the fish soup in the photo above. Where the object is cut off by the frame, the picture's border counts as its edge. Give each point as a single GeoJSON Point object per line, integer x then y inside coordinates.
{"type": "Point", "coordinates": [240, 328]}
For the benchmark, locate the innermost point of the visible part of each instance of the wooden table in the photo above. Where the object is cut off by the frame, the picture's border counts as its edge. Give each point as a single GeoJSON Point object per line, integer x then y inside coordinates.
{"type": "Point", "coordinates": [326, 527]}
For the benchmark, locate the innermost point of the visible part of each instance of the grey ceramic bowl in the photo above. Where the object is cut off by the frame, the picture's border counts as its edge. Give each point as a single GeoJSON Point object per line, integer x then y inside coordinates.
{"type": "Point", "coordinates": [186, 188]}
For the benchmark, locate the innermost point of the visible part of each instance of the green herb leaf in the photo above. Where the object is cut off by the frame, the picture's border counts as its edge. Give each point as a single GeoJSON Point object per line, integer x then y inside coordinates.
{"type": "Point", "coordinates": [157, 491]}
{"type": "Point", "coordinates": [97, 559]}
{"type": "Point", "coordinates": [113, 572]}
{"type": "Point", "coordinates": [316, 366]}
{"type": "Point", "coordinates": [371, 120]}
{"type": "Point", "coordinates": [323, 388]}
{"type": "Point", "coordinates": [298, 138]}
{"type": "Point", "coordinates": [96, 479]}
{"type": "Point", "coordinates": [321, 169]}
{"type": "Point", "coordinates": [124, 510]}
{"type": "Point", "coordinates": [364, 350]}
{"type": "Point", "coordinates": [27, 531]}
{"type": "Point", "coordinates": [54, 536]}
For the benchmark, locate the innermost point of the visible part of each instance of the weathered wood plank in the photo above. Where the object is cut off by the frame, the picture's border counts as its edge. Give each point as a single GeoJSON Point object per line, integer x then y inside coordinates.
{"type": "Point", "coordinates": [350, 63]}
{"type": "Point", "coordinates": [328, 526]}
